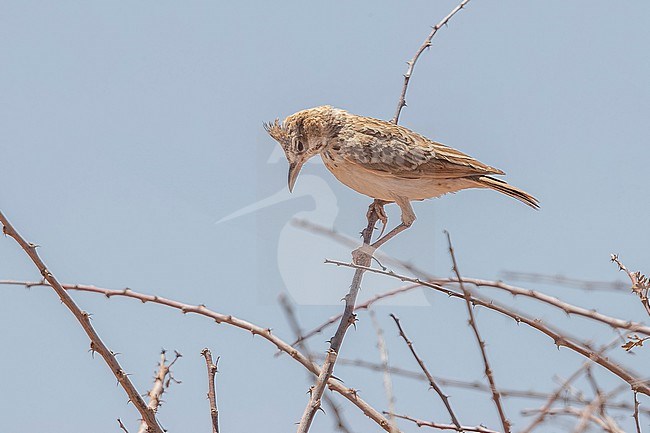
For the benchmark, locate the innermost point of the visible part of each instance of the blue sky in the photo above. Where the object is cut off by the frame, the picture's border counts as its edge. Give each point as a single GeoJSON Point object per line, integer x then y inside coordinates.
{"type": "Point", "coordinates": [130, 129]}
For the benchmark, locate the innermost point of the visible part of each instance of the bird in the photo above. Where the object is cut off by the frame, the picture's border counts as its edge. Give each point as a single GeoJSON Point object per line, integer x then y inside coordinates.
{"type": "Point", "coordinates": [383, 160]}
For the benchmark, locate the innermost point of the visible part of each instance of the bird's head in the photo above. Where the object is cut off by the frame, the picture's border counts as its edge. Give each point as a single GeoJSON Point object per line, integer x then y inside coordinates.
{"type": "Point", "coordinates": [303, 135]}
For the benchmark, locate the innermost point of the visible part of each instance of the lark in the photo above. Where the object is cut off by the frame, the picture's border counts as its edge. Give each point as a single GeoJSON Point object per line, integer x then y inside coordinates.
{"type": "Point", "coordinates": [387, 162]}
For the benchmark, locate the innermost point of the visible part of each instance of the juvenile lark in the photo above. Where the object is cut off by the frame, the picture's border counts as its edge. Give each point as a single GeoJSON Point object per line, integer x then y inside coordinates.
{"type": "Point", "coordinates": [387, 162]}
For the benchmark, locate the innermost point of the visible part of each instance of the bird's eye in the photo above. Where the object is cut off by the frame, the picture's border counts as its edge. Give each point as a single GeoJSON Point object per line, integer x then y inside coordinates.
{"type": "Point", "coordinates": [300, 146]}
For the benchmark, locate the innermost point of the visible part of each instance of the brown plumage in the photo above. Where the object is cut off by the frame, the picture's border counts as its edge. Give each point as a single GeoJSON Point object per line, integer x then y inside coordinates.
{"type": "Point", "coordinates": [382, 160]}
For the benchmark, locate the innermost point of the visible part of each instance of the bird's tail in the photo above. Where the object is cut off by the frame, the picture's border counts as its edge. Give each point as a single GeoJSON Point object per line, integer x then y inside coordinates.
{"type": "Point", "coordinates": [507, 189]}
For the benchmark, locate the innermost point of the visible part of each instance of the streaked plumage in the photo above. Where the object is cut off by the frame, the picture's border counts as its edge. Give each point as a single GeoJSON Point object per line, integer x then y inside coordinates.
{"type": "Point", "coordinates": [383, 160]}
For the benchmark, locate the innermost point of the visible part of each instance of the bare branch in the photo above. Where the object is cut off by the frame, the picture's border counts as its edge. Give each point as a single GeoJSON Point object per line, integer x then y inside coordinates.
{"type": "Point", "coordinates": [432, 382]}
{"type": "Point", "coordinates": [597, 405]}
{"type": "Point", "coordinates": [335, 385]}
{"type": "Point", "coordinates": [516, 291]}
{"type": "Point", "coordinates": [439, 426]}
{"type": "Point", "coordinates": [212, 393]}
{"type": "Point", "coordinates": [564, 281]}
{"type": "Point", "coordinates": [555, 302]}
{"type": "Point", "coordinates": [341, 425]}
{"type": "Point", "coordinates": [122, 427]}
{"type": "Point", "coordinates": [634, 341]}
{"type": "Point", "coordinates": [388, 383]}
{"type": "Point", "coordinates": [481, 387]}
{"type": "Point", "coordinates": [411, 63]}
{"type": "Point", "coordinates": [160, 383]}
{"type": "Point", "coordinates": [637, 423]}
{"type": "Point", "coordinates": [642, 386]}
{"type": "Point", "coordinates": [363, 306]}
{"type": "Point", "coordinates": [588, 413]}
{"type": "Point", "coordinates": [640, 283]}
{"type": "Point", "coordinates": [347, 319]}
{"type": "Point", "coordinates": [575, 412]}
{"type": "Point", "coordinates": [545, 410]}
{"type": "Point", "coordinates": [496, 397]}
{"type": "Point", "coordinates": [96, 343]}
{"type": "Point", "coordinates": [598, 393]}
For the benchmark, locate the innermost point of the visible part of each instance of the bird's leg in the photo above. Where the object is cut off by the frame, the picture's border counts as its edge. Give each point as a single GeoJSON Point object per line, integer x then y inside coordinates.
{"type": "Point", "coordinates": [408, 216]}
{"type": "Point", "coordinates": [377, 207]}
{"type": "Point", "coordinates": [375, 212]}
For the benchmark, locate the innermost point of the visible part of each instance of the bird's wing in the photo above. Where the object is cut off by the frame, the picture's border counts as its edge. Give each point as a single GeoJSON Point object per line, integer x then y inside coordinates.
{"type": "Point", "coordinates": [383, 147]}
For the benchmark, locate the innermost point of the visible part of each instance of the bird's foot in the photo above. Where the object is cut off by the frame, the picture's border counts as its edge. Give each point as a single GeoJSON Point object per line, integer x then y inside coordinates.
{"type": "Point", "coordinates": [376, 210]}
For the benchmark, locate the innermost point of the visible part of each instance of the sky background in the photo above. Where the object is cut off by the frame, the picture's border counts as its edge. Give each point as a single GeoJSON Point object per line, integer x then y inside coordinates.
{"type": "Point", "coordinates": [132, 151]}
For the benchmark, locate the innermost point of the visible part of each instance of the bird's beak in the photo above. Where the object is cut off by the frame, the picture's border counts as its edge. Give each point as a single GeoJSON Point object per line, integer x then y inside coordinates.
{"type": "Point", "coordinates": [294, 169]}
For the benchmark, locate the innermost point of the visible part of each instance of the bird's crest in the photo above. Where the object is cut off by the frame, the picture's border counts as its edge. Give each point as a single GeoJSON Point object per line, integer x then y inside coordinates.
{"type": "Point", "coordinates": [277, 131]}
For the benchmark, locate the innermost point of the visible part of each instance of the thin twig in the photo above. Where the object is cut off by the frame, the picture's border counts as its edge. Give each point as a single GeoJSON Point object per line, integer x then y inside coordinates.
{"type": "Point", "coordinates": [432, 381]}
{"type": "Point", "coordinates": [160, 383]}
{"type": "Point", "coordinates": [496, 397]}
{"type": "Point", "coordinates": [575, 412]}
{"type": "Point", "coordinates": [96, 343]}
{"type": "Point", "coordinates": [582, 348]}
{"type": "Point", "coordinates": [544, 411]}
{"type": "Point", "coordinates": [602, 398]}
{"type": "Point", "coordinates": [347, 319]}
{"type": "Point", "coordinates": [514, 290]}
{"type": "Point", "coordinates": [481, 387]}
{"type": "Point", "coordinates": [564, 281]}
{"type": "Point", "coordinates": [411, 63]}
{"type": "Point", "coordinates": [554, 302]}
{"type": "Point", "coordinates": [637, 423]}
{"type": "Point", "coordinates": [388, 383]}
{"type": "Point", "coordinates": [439, 426]}
{"type": "Point", "coordinates": [597, 405]}
{"type": "Point", "coordinates": [640, 283]}
{"type": "Point", "coordinates": [598, 393]}
{"type": "Point", "coordinates": [122, 427]}
{"type": "Point", "coordinates": [341, 425]}
{"type": "Point", "coordinates": [588, 413]}
{"type": "Point", "coordinates": [363, 306]}
{"type": "Point", "coordinates": [212, 392]}
{"type": "Point", "coordinates": [335, 385]}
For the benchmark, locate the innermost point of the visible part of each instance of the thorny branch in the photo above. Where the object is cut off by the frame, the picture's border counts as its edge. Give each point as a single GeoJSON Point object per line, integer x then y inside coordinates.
{"type": "Point", "coordinates": [555, 302]}
{"type": "Point", "coordinates": [212, 393]}
{"type": "Point", "coordinates": [545, 410]}
{"type": "Point", "coordinates": [575, 412]}
{"type": "Point", "coordinates": [411, 63]}
{"type": "Point", "coordinates": [349, 393]}
{"type": "Point", "coordinates": [122, 427]}
{"type": "Point", "coordinates": [96, 343]}
{"type": "Point", "coordinates": [637, 423]}
{"type": "Point", "coordinates": [347, 319]}
{"type": "Point", "coordinates": [341, 425]}
{"type": "Point", "coordinates": [496, 397]}
{"type": "Point", "coordinates": [161, 382]}
{"type": "Point", "coordinates": [363, 306]}
{"type": "Point", "coordinates": [430, 379]}
{"type": "Point", "coordinates": [481, 387]}
{"type": "Point", "coordinates": [640, 283]}
{"type": "Point", "coordinates": [439, 426]}
{"type": "Point", "coordinates": [642, 386]}
{"type": "Point", "coordinates": [514, 290]}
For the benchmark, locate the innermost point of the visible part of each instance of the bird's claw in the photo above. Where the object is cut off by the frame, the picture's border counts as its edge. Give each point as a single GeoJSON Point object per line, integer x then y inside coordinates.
{"type": "Point", "coordinates": [377, 209]}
